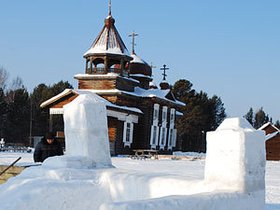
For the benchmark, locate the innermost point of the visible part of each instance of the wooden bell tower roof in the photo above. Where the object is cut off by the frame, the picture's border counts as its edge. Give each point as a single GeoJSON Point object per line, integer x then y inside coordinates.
{"type": "Point", "coordinates": [108, 53]}
{"type": "Point", "coordinates": [108, 41]}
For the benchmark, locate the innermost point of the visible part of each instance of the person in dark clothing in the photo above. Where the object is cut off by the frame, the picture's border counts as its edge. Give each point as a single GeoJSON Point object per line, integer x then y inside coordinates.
{"type": "Point", "coordinates": [47, 147]}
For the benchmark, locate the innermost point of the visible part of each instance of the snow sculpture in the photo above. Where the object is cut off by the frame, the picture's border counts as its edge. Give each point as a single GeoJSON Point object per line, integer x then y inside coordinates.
{"type": "Point", "coordinates": [86, 130]}
{"type": "Point", "coordinates": [234, 172]}
{"type": "Point", "coordinates": [235, 157]}
{"type": "Point", "coordinates": [234, 175]}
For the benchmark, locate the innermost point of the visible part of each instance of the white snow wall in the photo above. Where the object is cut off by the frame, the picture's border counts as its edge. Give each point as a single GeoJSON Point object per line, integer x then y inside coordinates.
{"type": "Point", "coordinates": [234, 175]}
{"type": "Point", "coordinates": [86, 129]}
{"type": "Point", "coordinates": [235, 158]}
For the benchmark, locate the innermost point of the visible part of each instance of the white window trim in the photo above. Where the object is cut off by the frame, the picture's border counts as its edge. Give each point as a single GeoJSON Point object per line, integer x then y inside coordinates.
{"type": "Point", "coordinates": [169, 138]}
{"type": "Point", "coordinates": [154, 145]}
{"type": "Point", "coordinates": [172, 138]}
{"type": "Point", "coordinates": [164, 116]}
{"type": "Point", "coordinates": [162, 145]}
{"type": "Point", "coordinates": [155, 124]}
{"type": "Point", "coordinates": [155, 118]}
{"type": "Point", "coordinates": [128, 143]}
{"type": "Point", "coordinates": [172, 122]}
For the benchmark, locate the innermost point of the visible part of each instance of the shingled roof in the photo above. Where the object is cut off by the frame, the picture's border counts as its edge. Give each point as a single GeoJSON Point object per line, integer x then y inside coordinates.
{"type": "Point", "coordinates": [108, 41]}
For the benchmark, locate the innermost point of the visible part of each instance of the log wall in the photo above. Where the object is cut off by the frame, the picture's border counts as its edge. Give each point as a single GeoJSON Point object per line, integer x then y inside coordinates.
{"type": "Point", "coordinates": [273, 148]}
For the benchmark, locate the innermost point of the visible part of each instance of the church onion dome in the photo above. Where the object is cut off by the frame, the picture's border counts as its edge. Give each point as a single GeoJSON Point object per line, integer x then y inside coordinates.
{"type": "Point", "coordinates": [108, 41]}
{"type": "Point", "coordinates": [152, 85]}
{"type": "Point", "coordinates": [139, 67]}
{"type": "Point", "coordinates": [164, 85]}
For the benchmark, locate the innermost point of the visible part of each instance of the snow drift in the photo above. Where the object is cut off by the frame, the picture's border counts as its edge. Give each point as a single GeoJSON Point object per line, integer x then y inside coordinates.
{"type": "Point", "coordinates": [83, 181]}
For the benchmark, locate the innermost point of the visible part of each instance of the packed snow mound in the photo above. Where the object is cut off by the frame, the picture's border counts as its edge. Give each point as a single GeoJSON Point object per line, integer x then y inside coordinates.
{"type": "Point", "coordinates": [203, 201]}
{"type": "Point", "coordinates": [234, 180]}
{"type": "Point", "coordinates": [235, 124]}
{"type": "Point", "coordinates": [41, 187]}
{"type": "Point", "coordinates": [67, 161]}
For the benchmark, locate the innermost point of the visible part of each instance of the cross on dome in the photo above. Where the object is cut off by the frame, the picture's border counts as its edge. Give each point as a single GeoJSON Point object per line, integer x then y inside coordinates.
{"type": "Point", "coordinates": [108, 49]}
{"type": "Point", "coordinates": [164, 69]}
{"type": "Point", "coordinates": [109, 40]}
{"type": "Point", "coordinates": [152, 67]}
{"type": "Point", "coordinates": [133, 35]}
{"type": "Point", "coordinates": [110, 8]}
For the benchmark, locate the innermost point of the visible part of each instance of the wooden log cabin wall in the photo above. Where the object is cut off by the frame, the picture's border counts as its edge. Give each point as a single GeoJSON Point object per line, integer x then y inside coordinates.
{"type": "Point", "coordinates": [272, 144]}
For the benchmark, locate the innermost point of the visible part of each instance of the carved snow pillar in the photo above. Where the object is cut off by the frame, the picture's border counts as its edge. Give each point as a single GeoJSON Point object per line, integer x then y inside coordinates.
{"type": "Point", "coordinates": [235, 157]}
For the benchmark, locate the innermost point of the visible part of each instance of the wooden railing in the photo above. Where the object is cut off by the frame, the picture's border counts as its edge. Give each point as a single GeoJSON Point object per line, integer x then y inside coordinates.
{"type": "Point", "coordinates": [101, 70]}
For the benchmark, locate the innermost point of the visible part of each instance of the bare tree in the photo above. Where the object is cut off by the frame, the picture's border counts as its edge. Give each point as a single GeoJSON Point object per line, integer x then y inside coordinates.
{"type": "Point", "coordinates": [3, 78]}
{"type": "Point", "coordinates": [17, 83]}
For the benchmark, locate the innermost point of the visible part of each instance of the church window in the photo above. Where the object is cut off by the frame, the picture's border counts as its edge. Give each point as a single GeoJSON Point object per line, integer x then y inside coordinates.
{"type": "Point", "coordinates": [164, 114]}
{"type": "Point", "coordinates": [128, 130]}
{"type": "Point", "coordinates": [154, 127]}
{"type": "Point", "coordinates": [172, 116]}
{"type": "Point", "coordinates": [128, 133]}
{"type": "Point", "coordinates": [163, 137]}
{"type": "Point", "coordinates": [156, 111]}
{"type": "Point", "coordinates": [172, 138]}
{"type": "Point", "coordinates": [154, 137]}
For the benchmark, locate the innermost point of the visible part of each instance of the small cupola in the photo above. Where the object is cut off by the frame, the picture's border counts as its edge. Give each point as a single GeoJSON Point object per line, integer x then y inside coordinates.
{"type": "Point", "coordinates": [138, 68]}
{"type": "Point", "coordinates": [108, 53]}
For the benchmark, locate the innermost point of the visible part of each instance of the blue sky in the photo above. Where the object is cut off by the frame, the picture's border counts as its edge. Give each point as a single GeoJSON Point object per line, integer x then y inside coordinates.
{"type": "Point", "coordinates": [227, 48]}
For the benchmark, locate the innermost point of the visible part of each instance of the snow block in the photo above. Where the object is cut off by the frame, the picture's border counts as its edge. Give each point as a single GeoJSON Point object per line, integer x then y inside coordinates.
{"type": "Point", "coordinates": [67, 161]}
{"type": "Point", "coordinates": [235, 158]}
{"type": "Point", "coordinates": [86, 130]}
{"type": "Point", "coordinates": [234, 175]}
{"type": "Point", "coordinates": [203, 201]}
{"type": "Point", "coordinates": [59, 189]}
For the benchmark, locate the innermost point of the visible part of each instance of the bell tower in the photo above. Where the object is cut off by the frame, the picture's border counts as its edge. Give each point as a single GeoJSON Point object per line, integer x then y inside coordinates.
{"type": "Point", "coordinates": [108, 53]}
{"type": "Point", "coordinates": [107, 61]}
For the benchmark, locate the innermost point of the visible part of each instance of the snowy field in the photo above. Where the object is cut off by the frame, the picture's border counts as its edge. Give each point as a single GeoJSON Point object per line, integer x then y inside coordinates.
{"type": "Point", "coordinates": [191, 169]}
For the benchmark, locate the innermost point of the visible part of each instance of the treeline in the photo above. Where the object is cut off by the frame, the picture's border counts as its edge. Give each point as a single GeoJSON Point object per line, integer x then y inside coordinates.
{"type": "Point", "coordinates": [201, 114]}
{"type": "Point", "coordinates": [258, 118]}
{"type": "Point", "coordinates": [20, 114]}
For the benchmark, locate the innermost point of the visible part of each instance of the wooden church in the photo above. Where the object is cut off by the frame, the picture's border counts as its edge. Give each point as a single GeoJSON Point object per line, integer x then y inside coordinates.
{"type": "Point", "coordinates": [140, 116]}
{"type": "Point", "coordinates": [272, 144]}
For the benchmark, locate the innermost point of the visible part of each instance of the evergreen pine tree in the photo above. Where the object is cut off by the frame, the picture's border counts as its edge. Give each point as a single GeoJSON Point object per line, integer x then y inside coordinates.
{"type": "Point", "coordinates": [277, 124]}
{"type": "Point", "coordinates": [182, 89]}
{"type": "Point", "coordinates": [201, 114]}
{"type": "Point", "coordinates": [18, 117]}
{"type": "Point", "coordinates": [3, 112]}
{"type": "Point", "coordinates": [250, 116]}
{"type": "Point", "coordinates": [40, 116]}
{"type": "Point", "coordinates": [260, 118]}
{"type": "Point", "coordinates": [40, 94]}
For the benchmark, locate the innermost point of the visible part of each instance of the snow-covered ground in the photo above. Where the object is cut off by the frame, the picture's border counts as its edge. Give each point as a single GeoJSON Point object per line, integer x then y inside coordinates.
{"type": "Point", "coordinates": [190, 169]}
